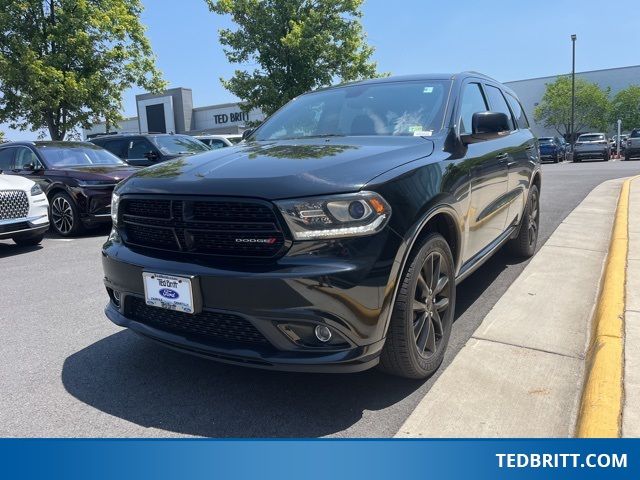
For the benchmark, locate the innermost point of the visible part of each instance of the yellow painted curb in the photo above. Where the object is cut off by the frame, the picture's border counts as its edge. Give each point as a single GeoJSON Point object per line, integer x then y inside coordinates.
{"type": "Point", "coordinates": [601, 407]}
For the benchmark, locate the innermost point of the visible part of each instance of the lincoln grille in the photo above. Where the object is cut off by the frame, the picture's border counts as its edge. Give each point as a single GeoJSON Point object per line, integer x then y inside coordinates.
{"type": "Point", "coordinates": [13, 204]}
{"type": "Point", "coordinates": [213, 326]}
{"type": "Point", "coordinates": [209, 227]}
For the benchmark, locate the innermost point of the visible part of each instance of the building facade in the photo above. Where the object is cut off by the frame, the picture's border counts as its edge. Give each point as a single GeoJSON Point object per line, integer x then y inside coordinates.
{"type": "Point", "coordinates": [531, 91]}
{"type": "Point", "coordinates": [172, 111]}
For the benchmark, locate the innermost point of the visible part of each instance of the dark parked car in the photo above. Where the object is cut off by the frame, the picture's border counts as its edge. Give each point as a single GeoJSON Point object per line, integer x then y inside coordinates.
{"type": "Point", "coordinates": [633, 145]}
{"type": "Point", "coordinates": [551, 148]}
{"type": "Point", "coordinates": [148, 149]}
{"type": "Point", "coordinates": [334, 237]}
{"type": "Point", "coordinates": [592, 146]}
{"type": "Point", "coordinates": [77, 177]}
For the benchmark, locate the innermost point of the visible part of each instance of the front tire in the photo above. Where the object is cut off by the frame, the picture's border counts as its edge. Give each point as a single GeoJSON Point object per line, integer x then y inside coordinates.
{"type": "Point", "coordinates": [65, 217]}
{"type": "Point", "coordinates": [524, 245]}
{"type": "Point", "coordinates": [29, 241]}
{"type": "Point", "coordinates": [423, 312]}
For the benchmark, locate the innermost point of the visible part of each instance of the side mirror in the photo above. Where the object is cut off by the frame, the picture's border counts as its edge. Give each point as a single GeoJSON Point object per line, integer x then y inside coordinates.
{"type": "Point", "coordinates": [247, 133]}
{"type": "Point", "coordinates": [153, 156]}
{"type": "Point", "coordinates": [487, 126]}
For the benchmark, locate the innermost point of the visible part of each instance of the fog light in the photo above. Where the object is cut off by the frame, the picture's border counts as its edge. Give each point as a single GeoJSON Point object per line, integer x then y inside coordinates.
{"type": "Point", "coordinates": [116, 298]}
{"type": "Point", "coordinates": [323, 333]}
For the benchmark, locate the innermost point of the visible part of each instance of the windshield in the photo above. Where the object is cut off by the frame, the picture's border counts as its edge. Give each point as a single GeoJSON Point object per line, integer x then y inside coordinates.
{"type": "Point", "coordinates": [179, 145]}
{"type": "Point", "coordinates": [545, 141]}
{"type": "Point", "coordinates": [590, 138]}
{"type": "Point", "coordinates": [59, 156]}
{"type": "Point", "coordinates": [395, 108]}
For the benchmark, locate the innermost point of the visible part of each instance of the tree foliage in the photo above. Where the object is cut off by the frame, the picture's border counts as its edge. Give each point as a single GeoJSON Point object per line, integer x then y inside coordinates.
{"type": "Point", "coordinates": [66, 63]}
{"type": "Point", "coordinates": [1, 136]}
{"type": "Point", "coordinates": [591, 106]}
{"type": "Point", "coordinates": [298, 45]}
{"type": "Point", "coordinates": [625, 106]}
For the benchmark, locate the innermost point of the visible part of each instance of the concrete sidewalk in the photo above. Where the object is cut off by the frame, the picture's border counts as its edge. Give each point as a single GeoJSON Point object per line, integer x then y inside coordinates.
{"type": "Point", "coordinates": [631, 408]}
{"type": "Point", "coordinates": [522, 372]}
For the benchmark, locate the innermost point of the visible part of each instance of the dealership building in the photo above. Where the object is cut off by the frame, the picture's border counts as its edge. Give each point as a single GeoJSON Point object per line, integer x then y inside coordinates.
{"type": "Point", "coordinates": [173, 111]}
{"type": "Point", "coordinates": [531, 91]}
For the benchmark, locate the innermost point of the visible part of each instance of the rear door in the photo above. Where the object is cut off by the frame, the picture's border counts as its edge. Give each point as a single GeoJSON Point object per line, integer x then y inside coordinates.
{"type": "Point", "coordinates": [516, 147]}
{"type": "Point", "coordinates": [488, 170]}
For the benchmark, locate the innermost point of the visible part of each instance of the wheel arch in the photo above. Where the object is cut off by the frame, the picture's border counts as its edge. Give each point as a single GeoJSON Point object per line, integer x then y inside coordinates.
{"type": "Point", "coordinates": [442, 219]}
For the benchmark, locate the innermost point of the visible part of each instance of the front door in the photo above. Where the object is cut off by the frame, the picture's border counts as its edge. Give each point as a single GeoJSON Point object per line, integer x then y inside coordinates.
{"type": "Point", "coordinates": [487, 161]}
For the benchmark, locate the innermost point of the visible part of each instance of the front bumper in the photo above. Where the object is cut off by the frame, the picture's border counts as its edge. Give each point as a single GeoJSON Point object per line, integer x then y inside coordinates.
{"type": "Point", "coordinates": [23, 227]}
{"type": "Point", "coordinates": [340, 284]}
{"type": "Point", "coordinates": [94, 204]}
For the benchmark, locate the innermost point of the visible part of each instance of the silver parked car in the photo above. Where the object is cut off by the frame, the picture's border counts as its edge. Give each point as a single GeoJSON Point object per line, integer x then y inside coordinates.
{"type": "Point", "coordinates": [592, 145]}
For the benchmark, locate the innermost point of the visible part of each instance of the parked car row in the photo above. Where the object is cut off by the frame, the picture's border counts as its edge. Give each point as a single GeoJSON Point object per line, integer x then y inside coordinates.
{"type": "Point", "coordinates": [555, 149]}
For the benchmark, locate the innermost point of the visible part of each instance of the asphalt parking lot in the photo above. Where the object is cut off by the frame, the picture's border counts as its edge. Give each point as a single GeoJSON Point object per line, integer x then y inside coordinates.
{"type": "Point", "coordinates": [67, 371]}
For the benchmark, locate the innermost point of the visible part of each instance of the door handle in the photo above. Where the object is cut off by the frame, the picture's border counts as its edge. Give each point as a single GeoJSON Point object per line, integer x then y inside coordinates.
{"type": "Point", "coordinates": [502, 157]}
{"type": "Point", "coordinates": [530, 147]}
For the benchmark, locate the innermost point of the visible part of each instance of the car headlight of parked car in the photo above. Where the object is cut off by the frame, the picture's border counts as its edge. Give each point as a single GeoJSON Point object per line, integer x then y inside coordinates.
{"type": "Point", "coordinates": [115, 200]}
{"type": "Point", "coordinates": [36, 190]}
{"type": "Point", "coordinates": [351, 215]}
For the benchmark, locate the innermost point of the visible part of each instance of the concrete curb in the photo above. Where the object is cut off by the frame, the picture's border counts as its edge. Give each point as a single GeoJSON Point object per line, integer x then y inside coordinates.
{"type": "Point", "coordinates": [522, 372]}
{"type": "Point", "coordinates": [601, 407]}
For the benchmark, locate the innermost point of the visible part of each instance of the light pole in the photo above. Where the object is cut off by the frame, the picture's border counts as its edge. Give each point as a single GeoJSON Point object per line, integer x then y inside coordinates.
{"type": "Point", "coordinates": [573, 91]}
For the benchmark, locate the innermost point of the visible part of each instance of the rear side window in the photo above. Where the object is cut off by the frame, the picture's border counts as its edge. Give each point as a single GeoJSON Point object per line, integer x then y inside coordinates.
{"type": "Point", "coordinates": [472, 102]}
{"type": "Point", "coordinates": [139, 148]}
{"type": "Point", "coordinates": [498, 103]}
{"type": "Point", "coordinates": [214, 144]}
{"type": "Point", "coordinates": [6, 158]}
{"type": "Point", "coordinates": [635, 133]}
{"type": "Point", "coordinates": [518, 112]}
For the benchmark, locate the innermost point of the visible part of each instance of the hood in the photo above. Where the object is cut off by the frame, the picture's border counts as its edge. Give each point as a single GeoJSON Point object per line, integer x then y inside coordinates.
{"type": "Point", "coordinates": [282, 169]}
{"type": "Point", "coordinates": [114, 173]}
{"type": "Point", "coordinates": [14, 182]}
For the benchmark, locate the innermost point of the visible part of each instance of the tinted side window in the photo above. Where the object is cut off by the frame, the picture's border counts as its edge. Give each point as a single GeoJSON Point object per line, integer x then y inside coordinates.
{"type": "Point", "coordinates": [518, 112]}
{"type": "Point", "coordinates": [117, 147]}
{"type": "Point", "coordinates": [498, 103]}
{"type": "Point", "coordinates": [138, 148]}
{"type": "Point", "coordinates": [24, 157]}
{"type": "Point", "coordinates": [217, 144]}
{"type": "Point", "coordinates": [6, 158]}
{"type": "Point", "coordinates": [472, 102]}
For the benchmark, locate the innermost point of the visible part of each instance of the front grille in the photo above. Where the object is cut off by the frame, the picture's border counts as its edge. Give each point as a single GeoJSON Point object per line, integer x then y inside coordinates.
{"type": "Point", "coordinates": [13, 204]}
{"type": "Point", "coordinates": [209, 227]}
{"type": "Point", "coordinates": [207, 325]}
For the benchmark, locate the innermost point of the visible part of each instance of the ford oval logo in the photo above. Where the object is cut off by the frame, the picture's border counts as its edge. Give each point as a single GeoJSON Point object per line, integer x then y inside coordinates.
{"type": "Point", "coordinates": [168, 293]}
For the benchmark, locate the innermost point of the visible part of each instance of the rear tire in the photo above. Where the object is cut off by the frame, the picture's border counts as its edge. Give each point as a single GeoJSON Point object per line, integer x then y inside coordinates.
{"type": "Point", "coordinates": [524, 245]}
{"type": "Point", "coordinates": [422, 313]}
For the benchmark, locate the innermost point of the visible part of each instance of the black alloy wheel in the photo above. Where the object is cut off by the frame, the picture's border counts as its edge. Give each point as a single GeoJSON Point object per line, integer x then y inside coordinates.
{"type": "Point", "coordinates": [64, 215]}
{"type": "Point", "coordinates": [423, 312]}
{"type": "Point", "coordinates": [430, 304]}
{"type": "Point", "coordinates": [524, 245]}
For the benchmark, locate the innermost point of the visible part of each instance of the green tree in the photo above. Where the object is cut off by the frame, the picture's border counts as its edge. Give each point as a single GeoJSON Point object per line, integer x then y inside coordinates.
{"type": "Point", "coordinates": [1, 136]}
{"type": "Point", "coordinates": [298, 45]}
{"type": "Point", "coordinates": [591, 109]}
{"type": "Point", "coordinates": [65, 63]}
{"type": "Point", "coordinates": [625, 106]}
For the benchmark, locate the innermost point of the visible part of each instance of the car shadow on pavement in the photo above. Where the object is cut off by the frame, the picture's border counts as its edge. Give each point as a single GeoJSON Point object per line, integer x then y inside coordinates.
{"type": "Point", "coordinates": [9, 249]}
{"type": "Point", "coordinates": [142, 382]}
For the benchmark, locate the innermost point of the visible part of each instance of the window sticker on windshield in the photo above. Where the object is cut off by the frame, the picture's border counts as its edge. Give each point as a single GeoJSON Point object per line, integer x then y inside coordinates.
{"type": "Point", "coordinates": [427, 90]}
{"type": "Point", "coordinates": [415, 128]}
{"type": "Point", "coordinates": [422, 133]}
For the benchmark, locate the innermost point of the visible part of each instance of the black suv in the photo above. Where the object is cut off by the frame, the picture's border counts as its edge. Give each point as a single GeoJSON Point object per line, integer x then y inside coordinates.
{"type": "Point", "coordinates": [148, 149]}
{"type": "Point", "coordinates": [334, 237]}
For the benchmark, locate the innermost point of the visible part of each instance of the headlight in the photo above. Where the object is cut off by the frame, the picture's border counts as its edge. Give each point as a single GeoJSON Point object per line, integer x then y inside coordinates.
{"type": "Point", "coordinates": [338, 216]}
{"type": "Point", "coordinates": [36, 190]}
{"type": "Point", "coordinates": [115, 200]}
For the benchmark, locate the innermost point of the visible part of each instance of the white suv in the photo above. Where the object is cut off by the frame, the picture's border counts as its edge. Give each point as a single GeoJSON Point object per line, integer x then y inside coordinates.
{"type": "Point", "coordinates": [24, 210]}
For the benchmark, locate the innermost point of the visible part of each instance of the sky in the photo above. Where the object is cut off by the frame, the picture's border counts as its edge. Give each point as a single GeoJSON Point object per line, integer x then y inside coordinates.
{"type": "Point", "coordinates": [507, 40]}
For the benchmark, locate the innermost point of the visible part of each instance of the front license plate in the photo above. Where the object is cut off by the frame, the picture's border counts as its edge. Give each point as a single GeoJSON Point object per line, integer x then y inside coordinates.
{"type": "Point", "coordinates": [168, 291]}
